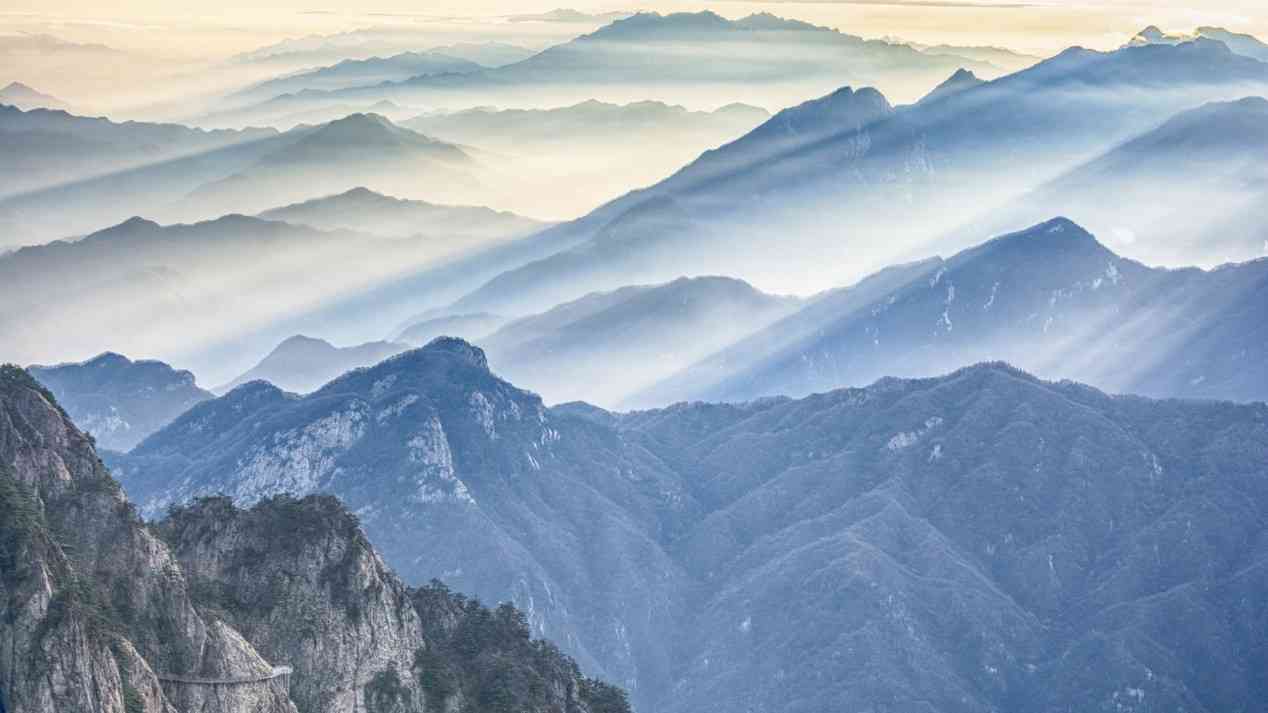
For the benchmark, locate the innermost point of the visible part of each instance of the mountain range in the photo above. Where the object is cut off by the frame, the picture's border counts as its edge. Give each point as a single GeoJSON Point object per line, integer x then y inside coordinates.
{"type": "Point", "coordinates": [977, 541]}
{"type": "Point", "coordinates": [303, 364]}
{"type": "Point", "coordinates": [1050, 299]}
{"type": "Point", "coordinates": [607, 346]}
{"type": "Point", "coordinates": [366, 211]}
{"type": "Point", "coordinates": [1190, 192]}
{"type": "Point", "coordinates": [1243, 44]}
{"type": "Point", "coordinates": [315, 51]}
{"type": "Point", "coordinates": [283, 608]}
{"type": "Point", "coordinates": [1002, 57]}
{"type": "Point", "coordinates": [19, 95]}
{"type": "Point", "coordinates": [210, 296]}
{"type": "Point", "coordinates": [359, 72]}
{"type": "Point", "coordinates": [360, 150]}
{"type": "Point", "coordinates": [48, 147]}
{"type": "Point", "coordinates": [847, 184]}
{"type": "Point", "coordinates": [117, 401]}
{"type": "Point", "coordinates": [421, 329]}
{"type": "Point", "coordinates": [699, 59]}
{"type": "Point", "coordinates": [609, 148]}
{"type": "Point", "coordinates": [245, 172]}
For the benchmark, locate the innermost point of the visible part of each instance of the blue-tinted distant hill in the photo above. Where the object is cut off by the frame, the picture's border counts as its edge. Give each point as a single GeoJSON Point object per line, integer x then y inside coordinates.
{"type": "Point", "coordinates": [1051, 299]}
{"type": "Point", "coordinates": [359, 150]}
{"type": "Point", "coordinates": [830, 190]}
{"type": "Point", "coordinates": [700, 59]}
{"type": "Point", "coordinates": [1194, 191]}
{"type": "Point", "coordinates": [120, 401]}
{"type": "Point", "coordinates": [47, 147]}
{"type": "Point", "coordinates": [365, 211]}
{"type": "Point", "coordinates": [606, 346]}
{"type": "Point", "coordinates": [358, 72]}
{"type": "Point", "coordinates": [1243, 44]}
{"type": "Point", "coordinates": [303, 364]}
{"type": "Point", "coordinates": [212, 296]}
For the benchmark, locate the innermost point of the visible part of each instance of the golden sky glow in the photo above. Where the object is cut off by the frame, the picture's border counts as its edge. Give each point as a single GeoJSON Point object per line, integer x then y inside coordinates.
{"type": "Point", "coordinates": [185, 27]}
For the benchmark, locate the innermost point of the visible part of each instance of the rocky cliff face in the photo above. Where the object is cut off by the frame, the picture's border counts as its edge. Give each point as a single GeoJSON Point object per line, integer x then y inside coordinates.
{"type": "Point", "coordinates": [101, 614]}
{"type": "Point", "coordinates": [301, 581]}
{"type": "Point", "coordinates": [96, 611]}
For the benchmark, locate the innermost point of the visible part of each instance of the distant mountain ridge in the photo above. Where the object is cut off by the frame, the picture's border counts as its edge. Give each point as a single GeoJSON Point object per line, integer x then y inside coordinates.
{"type": "Point", "coordinates": [360, 72]}
{"type": "Point", "coordinates": [355, 151]}
{"type": "Point", "coordinates": [367, 211]}
{"type": "Point", "coordinates": [1190, 192]}
{"type": "Point", "coordinates": [605, 346]}
{"type": "Point", "coordinates": [1050, 299]}
{"type": "Point", "coordinates": [50, 146]}
{"type": "Point", "coordinates": [786, 59]}
{"type": "Point", "coordinates": [119, 401]}
{"type": "Point", "coordinates": [879, 186]}
{"type": "Point", "coordinates": [212, 295]}
{"type": "Point", "coordinates": [26, 98]}
{"type": "Point", "coordinates": [304, 364]}
{"type": "Point", "coordinates": [1243, 44]}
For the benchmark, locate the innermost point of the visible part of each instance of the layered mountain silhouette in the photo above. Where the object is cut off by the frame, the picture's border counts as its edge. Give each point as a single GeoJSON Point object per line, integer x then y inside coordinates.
{"type": "Point", "coordinates": [365, 211]}
{"type": "Point", "coordinates": [1050, 299]}
{"type": "Point", "coordinates": [982, 540]}
{"type": "Point", "coordinates": [360, 72]}
{"type": "Point", "coordinates": [1243, 44]}
{"type": "Point", "coordinates": [283, 608]}
{"type": "Point", "coordinates": [118, 401]}
{"type": "Point", "coordinates": [847, 184]}
{"type": "Point", "coordinates": [302, 54]}
{"type": "Point", "coordinates": [686, 58]}
{"type": "Point", "coordinates": [305, 107]}
{"type": "Point", "coordinates": [355, 151]}
{"type": "Point", "coordinates": [597, 150]}
{"type": "Point", "coordinates": [1192, 191]}
{"type": "Point", "coordinates": [511, 129]}
{"type": "Point", "coordinates": [606, 346]}
{"type": "Point", "coordinates": [19, 95]}
{"type": "Point", "coordinates": [422, 329]}
{"type": "Point", "coordinates": [211, 296]}
{"type": "Point", "coordinates": [963, 79]}
{"type": "Point", "coordinates": [1002, 57]}
{"type": "Point", "coordinates": [303, 364]}
{"type": "Point", "coordinates": [48, 147]}
{"type": "Point", "coordinates": [249, 172]}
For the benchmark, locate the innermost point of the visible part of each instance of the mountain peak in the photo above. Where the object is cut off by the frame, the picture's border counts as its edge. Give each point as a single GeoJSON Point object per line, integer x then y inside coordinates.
{"type": "Point", "coordinates": [1059, 236]}
{"type": "Point", "coordinates": [461, 349]}
{"type": "Point", "coordinates": [108, 359]}
{"type": "Point", "coordinates": [962, 79]}
{"type": "Point", "coordinates": [845, 109]}
{"type": "Point", "coordinates": [300, 340]}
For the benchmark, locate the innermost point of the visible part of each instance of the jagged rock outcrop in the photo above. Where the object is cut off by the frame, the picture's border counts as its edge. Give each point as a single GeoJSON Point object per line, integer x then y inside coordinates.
{"type": "Point", "coordinates": [299, 578]}
{"type": "Point", "coordinates": [285, 608]}
{"type": "Point", "coordinates": [94, 609]}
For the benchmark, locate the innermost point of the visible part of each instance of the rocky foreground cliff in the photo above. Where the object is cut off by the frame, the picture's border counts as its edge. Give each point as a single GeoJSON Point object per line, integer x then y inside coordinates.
{"type": "Point", "coordinates": [284, 608]}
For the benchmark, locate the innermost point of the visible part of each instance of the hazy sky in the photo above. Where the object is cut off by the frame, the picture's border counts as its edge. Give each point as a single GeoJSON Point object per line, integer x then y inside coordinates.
{"type": "Point", "coordinates": [193, 27]}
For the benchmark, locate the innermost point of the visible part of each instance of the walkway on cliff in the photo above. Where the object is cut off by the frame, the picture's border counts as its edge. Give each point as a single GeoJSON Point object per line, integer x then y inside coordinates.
{"type": "Point", "coordinates": [278, 671]}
